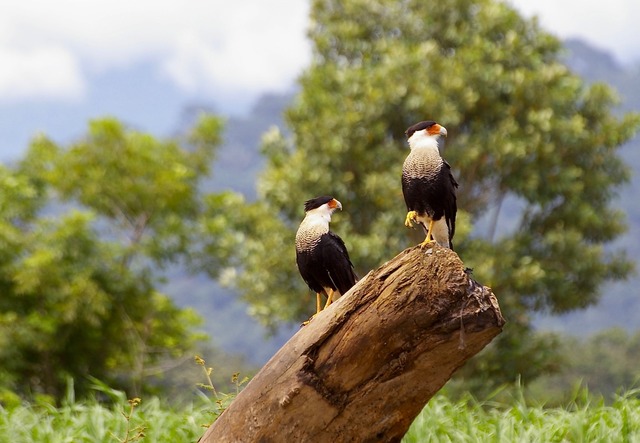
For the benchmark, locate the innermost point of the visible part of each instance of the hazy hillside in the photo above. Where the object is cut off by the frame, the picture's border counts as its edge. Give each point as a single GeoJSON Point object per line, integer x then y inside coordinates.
{"type": "Point", "coordinates": [236, 168]}
{"type": "Point", "coordinates": [620, 303]}
{"type": "Point", "coordinates": [136, 95]}
{"type": "Point", "coordinates": [239, 162]}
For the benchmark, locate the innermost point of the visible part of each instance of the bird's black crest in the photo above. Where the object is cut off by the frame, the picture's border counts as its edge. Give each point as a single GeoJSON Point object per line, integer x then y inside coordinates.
{"type": "Point", "coordinates": [316, 202]}
{"type": "Point", "coordinates": [419, 127]}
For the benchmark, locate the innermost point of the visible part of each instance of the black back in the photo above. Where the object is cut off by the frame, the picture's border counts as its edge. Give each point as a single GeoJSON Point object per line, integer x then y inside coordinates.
{"type": "Point", "coordinates": [434, 195]}
{"type": "Point", "coordinates": [327, 265]}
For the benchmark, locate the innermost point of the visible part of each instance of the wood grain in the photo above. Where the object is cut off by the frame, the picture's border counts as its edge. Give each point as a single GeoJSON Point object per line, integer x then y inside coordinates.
{"type": "Point", "coordinates": [363, 368]}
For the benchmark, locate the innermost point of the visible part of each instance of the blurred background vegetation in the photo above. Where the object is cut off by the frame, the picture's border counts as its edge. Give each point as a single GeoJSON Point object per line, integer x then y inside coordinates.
{"type": "Point", "coordinates": [124, 254]}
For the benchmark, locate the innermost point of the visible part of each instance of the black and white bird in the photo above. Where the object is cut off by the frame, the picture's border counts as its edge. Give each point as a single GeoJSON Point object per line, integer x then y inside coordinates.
{"type": "Point", "coordinates": [321, 255]}
{"type": "Point", "coordinates": [428, 186]}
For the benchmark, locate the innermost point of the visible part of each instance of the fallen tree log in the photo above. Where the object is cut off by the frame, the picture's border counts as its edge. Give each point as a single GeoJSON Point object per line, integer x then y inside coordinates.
{"type": "Point", "coordinates": [363, 368]}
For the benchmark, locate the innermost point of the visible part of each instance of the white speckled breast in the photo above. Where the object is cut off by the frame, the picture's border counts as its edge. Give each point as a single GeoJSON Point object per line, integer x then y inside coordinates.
{"type": "Point", "coordinates": [309, 233]}
{"type": "Point", "coordinates": [422, 163]}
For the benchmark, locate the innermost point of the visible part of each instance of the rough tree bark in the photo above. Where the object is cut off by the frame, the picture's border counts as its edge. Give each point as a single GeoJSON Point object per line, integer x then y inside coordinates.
{"type": "Point", "coordinates": [362, 369]}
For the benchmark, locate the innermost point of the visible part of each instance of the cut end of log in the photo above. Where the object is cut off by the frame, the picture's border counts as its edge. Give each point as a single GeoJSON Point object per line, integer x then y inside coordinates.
{"type": "Point", "coordinates": [364, 367]}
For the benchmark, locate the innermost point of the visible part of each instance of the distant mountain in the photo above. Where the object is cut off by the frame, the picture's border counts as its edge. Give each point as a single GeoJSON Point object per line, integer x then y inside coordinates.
{"type": "Point", "coordinates": [236, 168]}
{"type": "Point", "coordinates": [239, 161]}
{"type": "Point", "coordinates": [595, 65]}
{"type": "Point", "coordinates": [136, 95]}
{"type": "Point", "coordinates": [620, 303]}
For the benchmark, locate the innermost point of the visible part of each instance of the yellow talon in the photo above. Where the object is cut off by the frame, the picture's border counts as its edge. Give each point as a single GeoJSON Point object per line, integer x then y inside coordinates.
{"type": "Point", "coordinates": [411, 217]}
{"type": "Point", "coordinates": [428, 239]}
{"type": "Point", "coordinates": [319, 307]}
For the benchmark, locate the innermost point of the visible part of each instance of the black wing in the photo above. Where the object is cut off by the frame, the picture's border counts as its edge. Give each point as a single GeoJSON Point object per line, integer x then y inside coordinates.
{"type": "Point", "coordinates": [337, 263]}
{"type": "Point", "coordinates": [450, 203]}
{"type": "Point", "coordinates": [426, 195]}
{"type": "Point", "coordinates": [310, 270]}
{"type": "Point", "coordinates": [413, 190]}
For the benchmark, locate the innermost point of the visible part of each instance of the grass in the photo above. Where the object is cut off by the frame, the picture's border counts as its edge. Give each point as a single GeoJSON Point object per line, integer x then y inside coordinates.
{"type": "Point", "coordinates": [581, 421]}
{"type": "Point", "coordinates": [117, 420]}
{"type": "Point", "coordinates": [150, 421]}
{"type": "Point", "coordinates": [442, 420]}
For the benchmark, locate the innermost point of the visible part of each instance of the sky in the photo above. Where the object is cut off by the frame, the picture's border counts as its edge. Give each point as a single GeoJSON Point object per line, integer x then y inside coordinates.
{"type": "Point", "coordinates": [49, 51]}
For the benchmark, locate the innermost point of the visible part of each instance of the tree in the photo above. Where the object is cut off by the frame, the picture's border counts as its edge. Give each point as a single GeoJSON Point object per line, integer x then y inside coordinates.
{"type": "Point", "coordinates": [528, 141]}
{"type": "Point", "coordinates": [84, 231]}
{"type": "Point", "coordinates": [605, 363]}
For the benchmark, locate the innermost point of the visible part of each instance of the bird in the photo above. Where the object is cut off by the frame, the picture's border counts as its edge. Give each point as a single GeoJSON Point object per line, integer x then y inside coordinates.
{"type": "Point", "coordinates": [428, 186]}
{"type": "Point", "coordinates": [321, 255]}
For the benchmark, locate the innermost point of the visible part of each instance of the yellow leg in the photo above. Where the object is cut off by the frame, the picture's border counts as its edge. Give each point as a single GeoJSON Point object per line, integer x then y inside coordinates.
{"type": "Point", "coordinates": [329, 298]}
{"type": "Point", "coordinates": [411, 217]}
{"type": "Point", "coordinates": [428, 239]}
{"type": "Point", "coordinates": [318, 309]}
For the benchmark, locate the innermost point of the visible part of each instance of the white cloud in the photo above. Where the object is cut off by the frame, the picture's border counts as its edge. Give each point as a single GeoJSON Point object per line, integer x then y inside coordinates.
{"type": "Point", "coordinates": [245, 45]}
{"type": "Point", "coordinates": [253, 62]}
{"type": "Point", "coordinates": [48, 72]}
{"type": "Point", "coordinates": [217, 47]}
{"type": "Point", "coordinates": [611, 26]}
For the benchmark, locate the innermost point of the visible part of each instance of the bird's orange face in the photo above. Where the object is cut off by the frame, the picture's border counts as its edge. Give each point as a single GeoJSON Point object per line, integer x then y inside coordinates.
{"type": "Point", "coordinates": [334, 204]}
{"type": "Point", "coordinates": [436, 129]}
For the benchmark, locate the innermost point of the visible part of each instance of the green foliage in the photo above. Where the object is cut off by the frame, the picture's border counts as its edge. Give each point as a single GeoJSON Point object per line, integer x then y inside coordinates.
{"type": "Point", "coordinates": [522, 128]}
{"type": "Point", "coordinates": [606, 363]}
{"type": "Point", "coordinates": [131, 434]}
{"type": "Point", "coordinates": [465, 420]}
{"type": "Point", "coordinates": [221, 399]}
{"type": "Point", "coordinates": [84, 230]}
{"type": "Point", "coordinates": [146, 188]}
{"type": "Point", "coordinates": [470, 421]}
{"type": "Point", "coordinates": [90, 421]}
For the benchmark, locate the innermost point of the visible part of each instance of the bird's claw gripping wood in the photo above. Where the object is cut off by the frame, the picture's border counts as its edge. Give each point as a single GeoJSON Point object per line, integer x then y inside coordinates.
{"type": "Point", "coordinates": [411, 217]}
{"type": "Point", "coordinates": [427, 241]}
{"type": "Point", "coordinates": [318, 309]}
{"type": "Point", "coordinates": [306, 322]}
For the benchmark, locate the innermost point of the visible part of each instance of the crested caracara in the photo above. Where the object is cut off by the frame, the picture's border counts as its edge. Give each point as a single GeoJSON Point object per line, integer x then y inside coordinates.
{"type": "Point", "coordinates": [428, 186]}
{"type": "Point", "coordinates": [322, 257]}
